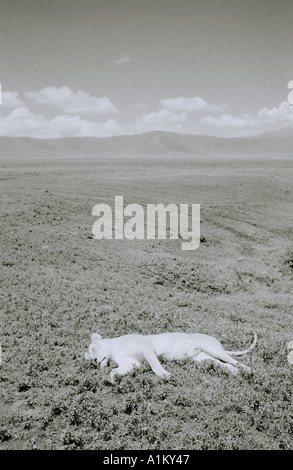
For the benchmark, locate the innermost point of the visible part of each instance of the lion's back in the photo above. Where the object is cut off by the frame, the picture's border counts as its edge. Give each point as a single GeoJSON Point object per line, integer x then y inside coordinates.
{"type": "Point", "coordinates": [133, 346]}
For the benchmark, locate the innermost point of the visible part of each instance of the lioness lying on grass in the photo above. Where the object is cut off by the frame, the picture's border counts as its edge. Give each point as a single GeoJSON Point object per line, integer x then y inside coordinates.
{"type": "Point", "coordinates": [129, 351]}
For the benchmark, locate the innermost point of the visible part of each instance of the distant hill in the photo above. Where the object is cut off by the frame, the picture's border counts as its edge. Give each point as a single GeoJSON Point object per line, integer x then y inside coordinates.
{"type": "Point", "coordinates": [152, 143]}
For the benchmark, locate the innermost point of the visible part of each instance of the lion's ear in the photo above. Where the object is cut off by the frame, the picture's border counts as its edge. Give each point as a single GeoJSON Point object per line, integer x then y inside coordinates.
{"type": "Point", "coordinates": [96, 337]}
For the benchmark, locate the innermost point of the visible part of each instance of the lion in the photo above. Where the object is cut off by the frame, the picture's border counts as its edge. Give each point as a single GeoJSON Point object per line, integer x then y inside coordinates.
{"type": "Point", "coordinates": [129, 351]}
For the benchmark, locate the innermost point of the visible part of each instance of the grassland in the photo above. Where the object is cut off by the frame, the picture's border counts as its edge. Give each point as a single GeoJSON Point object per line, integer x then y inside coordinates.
{"type": "Point", "coordinates": [59, 285]}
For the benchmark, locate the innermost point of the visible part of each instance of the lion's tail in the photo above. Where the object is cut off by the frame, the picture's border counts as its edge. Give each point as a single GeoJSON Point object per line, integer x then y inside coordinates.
{"type": "Point", "coordinates": [240, 353]}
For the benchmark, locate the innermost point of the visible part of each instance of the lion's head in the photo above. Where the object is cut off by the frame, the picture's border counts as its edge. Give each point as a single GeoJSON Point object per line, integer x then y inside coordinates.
{"type": "Point", "coordinates": [98, 350]}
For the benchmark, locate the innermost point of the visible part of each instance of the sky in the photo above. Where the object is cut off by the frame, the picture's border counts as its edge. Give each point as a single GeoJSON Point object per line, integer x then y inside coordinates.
{"type": "Point", "coordinates": [110, 67]}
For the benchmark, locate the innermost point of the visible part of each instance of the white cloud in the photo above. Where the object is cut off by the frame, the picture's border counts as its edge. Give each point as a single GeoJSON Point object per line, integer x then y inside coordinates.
{"type": "Point", "coordinates": [10, 99]}
{"type": "Point", "coordinates": [183, 115]}
{"type": "Point", "coordinates": [190, 104]}
{"type": "Point", "coordinates": [21, 122]}
{"type": "Point", "coordinates": [211, 123]}
{"type": "Point", "coordinates": [176, 115]}
{"type": "Point", "coordinates": [161, 120]}
{"type": "Point", "coordinates": [227, 120]}
{"type": "Point", "coordinates": [283, 115]}
{"type": "Point", "coordinates": [184, 104]}
{"type": "Point", "coordinates": [247, 124]}
{"type": "Point", "coordinates": [125, 59]}
{"type": "Point", "coordinates": [163, 116]}
{"type": "Point", "coordinates": [65, 126]}
{"type": "Point", "coordinates": [71, 102]}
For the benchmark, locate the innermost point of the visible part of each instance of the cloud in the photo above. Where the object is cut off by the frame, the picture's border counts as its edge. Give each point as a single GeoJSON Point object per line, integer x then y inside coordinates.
{"type": "Point", "coordinates": [65, 126]}
{"type": "Point", "coordinates": [190, 105]}
{"type": "Point", "coordinates": [125, 59]}
{"type": "Point", "coordinates": [10, 99]}
{"type": "Point", "coordinates": [248, 124]}
{"type": "Point", "coordinates": [71, 102]}
{"type": "Point", "coordinates": [21, 122]}
{"type": "Point", "coordinates": [161, 120]}
{"type": "Point", "coordinates": [226, 120]}
{"type": "Point", "coordinates": [183, 115]}
{"type": "Point", "coordinates": [176, 115]}
{"type": "Point", "coordinates": [282, 116]}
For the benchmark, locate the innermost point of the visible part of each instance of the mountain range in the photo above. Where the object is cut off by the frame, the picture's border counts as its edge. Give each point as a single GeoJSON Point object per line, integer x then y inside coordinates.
{"type": "Point", "coordinates": [278, 143]}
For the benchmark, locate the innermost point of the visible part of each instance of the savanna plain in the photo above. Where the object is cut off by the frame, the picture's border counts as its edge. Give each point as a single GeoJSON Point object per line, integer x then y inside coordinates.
{"type": "Point", "coordinates": [59, 285]}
